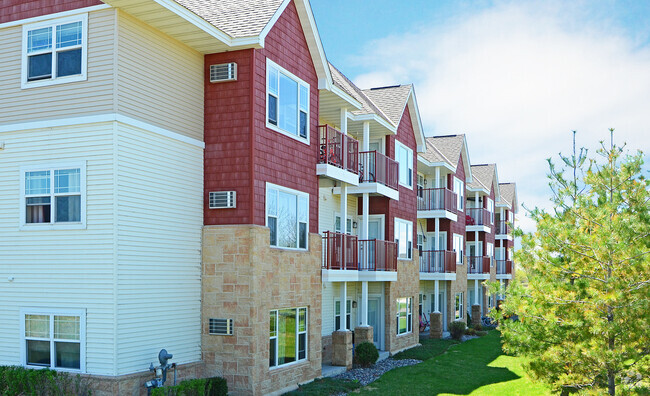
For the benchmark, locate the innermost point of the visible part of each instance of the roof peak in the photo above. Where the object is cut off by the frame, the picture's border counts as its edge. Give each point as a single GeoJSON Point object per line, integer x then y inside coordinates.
{"type": "Point", "coordinates": [386, 87]}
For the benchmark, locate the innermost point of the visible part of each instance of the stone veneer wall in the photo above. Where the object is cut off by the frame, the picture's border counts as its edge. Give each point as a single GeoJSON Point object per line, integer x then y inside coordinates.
{"type": "Point", "coordinates": [327, 349]}
{"type": "Point", "coordinates": [457, 286]}
{"type": "Point", "coordinates": [243, 279]}
{"type": "Point", "coordinates": [407, 285]}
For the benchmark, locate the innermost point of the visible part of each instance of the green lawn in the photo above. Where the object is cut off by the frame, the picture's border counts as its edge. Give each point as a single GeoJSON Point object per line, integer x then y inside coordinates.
{"type": "Point", "coordinates": [475, 367]}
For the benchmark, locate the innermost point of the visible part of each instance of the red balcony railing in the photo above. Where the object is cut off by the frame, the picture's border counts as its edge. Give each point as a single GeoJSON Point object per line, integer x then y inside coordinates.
{"type": "Point", "coordinates": [477, 216]}
{"type": "Point", "coordinates": [377, 255]}
{"type": "Point", "coordinates": [340, 251]}
{"type": "Point", "coordinates": [438, 261]}
{"type": "Point", "coordinates": [504, 267]}
{"type": "Point", "coordinates": [503, 227]}
{"type": "Point", "coordinates": [338, 149]}
{"type": "Point", "coordinates": [437, 199]}
{"type": "Point", "coordinates": [377, 168]}
{"type": "Point", "coordinates": [347, 252]}
{"type": "Point", "coordinates": [478, 265]}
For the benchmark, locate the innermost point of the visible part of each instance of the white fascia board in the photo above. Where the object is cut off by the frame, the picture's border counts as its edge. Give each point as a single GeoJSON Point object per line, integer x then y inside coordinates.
{"type": "Point", "coordinates": [54, 16]}
{"type": "Point", "coordinates": [436, 164]}
{"type": "Point", "coordinates": [480, 189]}
{"type": "Point", "coordinates": [312, 36]}
{"type": "Point", "coordinates": [374, 117]}
{"type": "Point", "coordinates": [466, 161]}
{"type": "Point", "coordinates": [416, 121]}
{"type": "Point", "coordinates": [345, 96]}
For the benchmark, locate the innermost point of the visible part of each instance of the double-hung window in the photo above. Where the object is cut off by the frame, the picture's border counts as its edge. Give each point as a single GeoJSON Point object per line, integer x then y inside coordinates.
{"type": "Point", "coordinates": [490, 208]}
{"type": "Point", "coordinates": [404, 238]}
{"type": "Point", "coordinates": [287, 97]}
{"type": "Point", "coordinates": [54, 339]}
{"type": "Point", "coordinates": [459, 306]}
{"type": "Point", "coordinates": [404, 315]}
{"type": "Point", "coordinates": [55, 51]}
{"type": "Point", "coordinates": [348, 225]}
{"type": "Point", "coordinates": [459, 189]}
{"type": "Point", "coordinates": [458, 248]}
{"type": "Point", "coordinates": [53, 195]}
{"type": "Point", "coordinates": [337, 315]}
{"type": "Point", "coordinates": [287, 215]}
{"type": "Point", "coordinates": [287, 336]}
{"type": "Point", "coordinates": [405, 161]}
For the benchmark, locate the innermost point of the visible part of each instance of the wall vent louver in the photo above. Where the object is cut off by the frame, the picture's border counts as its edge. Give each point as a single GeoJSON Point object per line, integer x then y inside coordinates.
{"type": "Point", "coordinates": [220, 326]}
{"type": "Point", "coordinates": [223, 199]}
{"type": "Point", "coordinates": [223, 72]}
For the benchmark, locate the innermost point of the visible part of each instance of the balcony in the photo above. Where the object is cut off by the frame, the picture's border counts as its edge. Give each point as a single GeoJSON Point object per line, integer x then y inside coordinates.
{"type": "Point", "coordinates": [347, 258]}
{"type": "Point", "coordinates": [477, 219]}
{"type": "Point", "coordinates": [437, 265]}
{"type": "Point", "coordinates": [437, 203]}
{"type": "Point", "coordinates": [338, 156]}
{"type": "Point", "coordinates": [504, 269]}
{"type": "Point", "coordinates": [503, 230]}
{"type": "Point", "coordinates": [378, 175]}
{"type": "Point", "coordinates": [478, 267]}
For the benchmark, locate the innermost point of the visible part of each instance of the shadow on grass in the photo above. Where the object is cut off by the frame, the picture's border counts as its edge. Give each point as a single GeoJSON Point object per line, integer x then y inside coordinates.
{"type": "Point", "coordinates": [464, 368]}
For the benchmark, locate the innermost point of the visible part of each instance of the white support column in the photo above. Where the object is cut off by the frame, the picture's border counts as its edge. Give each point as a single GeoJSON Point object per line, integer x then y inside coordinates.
{"type": "Point", "coordinates": [364, 303]}
{"type": "Point", "coordinates": [344, 307]}
{"type": "Point", "coordinates": [365, 146]}
{"type": "Point", "coordinates": [475, 291]}
{"type": "Point", "coordinates": [436, 295]}
{"type": "Point", "coordinates": [437, 181]}
{"type": "Point", "coordinates": [344, 121]}
{"type": "Point", "coordinates": [437, 220]}
{"type": "Point", "coordinates": [344, 208]}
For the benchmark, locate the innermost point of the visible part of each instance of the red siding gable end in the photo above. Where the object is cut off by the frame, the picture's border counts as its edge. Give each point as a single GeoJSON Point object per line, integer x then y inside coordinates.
{"type": "Point", "coordinates": [15, 10]}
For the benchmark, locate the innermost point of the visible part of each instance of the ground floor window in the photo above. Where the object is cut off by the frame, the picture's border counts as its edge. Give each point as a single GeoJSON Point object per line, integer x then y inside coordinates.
{"type": "Point", "coordinates": [459, 305]}
{"type": "Point", "coordinates": [288, 336]}
{"type": "Point", "coordinates": [54, 339]}
{"type": "Point", "coordinates": [337, 315]}
{"type": "Point", "coordinates": [404, 315]}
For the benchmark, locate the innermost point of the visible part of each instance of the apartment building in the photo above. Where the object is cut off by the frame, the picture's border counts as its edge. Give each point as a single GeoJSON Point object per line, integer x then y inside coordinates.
{"type": "Point", "coordinates": [196, 176]}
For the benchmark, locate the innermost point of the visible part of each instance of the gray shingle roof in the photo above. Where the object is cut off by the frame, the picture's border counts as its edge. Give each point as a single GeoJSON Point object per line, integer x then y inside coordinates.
{"type": "Point", "coordinates": [508, 191]}
{"type": "Point", "coordinates": [391, 100]}
{"type": "Point", "coordinates": [237, 18]}
{"type": "Point", "coordinates": [483, 176]}
{"type": "Point", "coordinates": [444, 148]}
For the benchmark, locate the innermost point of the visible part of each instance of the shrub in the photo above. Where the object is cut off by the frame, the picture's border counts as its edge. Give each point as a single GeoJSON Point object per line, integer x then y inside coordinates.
{"type": "Point", "coordinates": [215, 386]}
{"type": "Point", "coordinates": [481, 333]}
{"type": "Point", "coordinates": [21, 381]}
{"type": "Point", "coordinates": [470, 331]}
{"type": "Point", "coordinates": [478, 327]}
{"type": "Point", "coordinates": [366, 354]}
{"type": "Point", "coordinates": [457, 329]}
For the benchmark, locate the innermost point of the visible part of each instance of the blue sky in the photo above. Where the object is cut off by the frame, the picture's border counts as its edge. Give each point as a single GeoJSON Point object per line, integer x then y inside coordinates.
{"type": "Point", "coordinates": [515, 76]}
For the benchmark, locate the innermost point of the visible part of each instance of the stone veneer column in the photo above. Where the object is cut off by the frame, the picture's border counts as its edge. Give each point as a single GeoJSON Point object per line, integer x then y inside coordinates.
{"type": "Point", "coordinates": [363, 334]}
{"type": "Point", "coordinates": [476, 315]}
{"type": "Point", "coordinates": [435, 328]}
{"type": "Point", "coordinates": [342, 348]}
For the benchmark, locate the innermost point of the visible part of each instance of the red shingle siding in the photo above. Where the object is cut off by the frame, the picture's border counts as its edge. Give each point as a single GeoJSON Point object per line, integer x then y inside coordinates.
{"type": "Point", "coordinates": [232, 109]}
{"type": "Point", "coordinates": [15, 10]}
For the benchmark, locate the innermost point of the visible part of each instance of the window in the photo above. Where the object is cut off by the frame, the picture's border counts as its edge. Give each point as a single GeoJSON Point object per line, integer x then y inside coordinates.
{"type": "Point", "coordinates": [490, 209]}
{"type": "Point", "coordinates": [337, 314]}
{"type": "Point", "coordinates": [420, 186]}
{"type": "Point", "coordinates": [54, 51]}
{"type": "Point", "coordinates": [420, 244]}
{"type": "Point", "coordinates": [287, 336]}
{"type": "Point", "coordinates": [404, 238]}
{"type": "Point", "coordinates": [287, 109]}
{"type": "Point", "coordinates": [490, 253]}
{"type": "Point", "coordinates": [458, 248]}
{"type": "Point", "coordinates": [459, 306]}
{"type": "Point", "coordinates": [54, 339]}
{"type": "Point", "coordinates": [405, 161]}
{"type": "Point", "coordinates": [459, 189]}
{"type": "Point", "coordinates": [287, 215]}
{"type": "Point", "coordinates": [404, 315]}
{"type": "Point", "coordinates": [53, 195]}
{"type": "Point", "coordinates": [348, 225]}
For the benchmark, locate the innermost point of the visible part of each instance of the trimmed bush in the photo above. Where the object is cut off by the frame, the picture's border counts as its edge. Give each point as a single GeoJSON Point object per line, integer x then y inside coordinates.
{"type": "Point", "coordinates": [215, 386]}
{"type": "Point", "coordinates": [470, 331]}
{"type": "Point", "coordinates": [16, 380]}
{"type": "Point", "coordinates": [457, 329]}
{"type": "Point", "coordinates": [478, 327]}
{"type": "Point", "coordinates": [366, 354]}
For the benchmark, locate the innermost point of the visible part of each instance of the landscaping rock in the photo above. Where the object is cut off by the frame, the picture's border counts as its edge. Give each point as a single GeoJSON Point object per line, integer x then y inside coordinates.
{"type": "Point", "coordinates": [367, 375]}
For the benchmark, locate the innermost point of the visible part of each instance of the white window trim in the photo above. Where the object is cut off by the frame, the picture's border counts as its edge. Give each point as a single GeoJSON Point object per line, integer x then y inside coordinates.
{"type": "Point", "coordinates": [347, 313]}
{"type": "Point", "coordinates": [301, 82]}
{"type": "Point", "coordinates": [441, 235]}
{"type": "Point", "coordinates": [491, 209]}
{"type": "Point", "coordinates": [399, 145]}
{"type": "Point", "coordinates": [409, 224]}
{"type": "Point", "coordinates": [460, 195]}
{"type": "Point", "coordinates": [81, 313]}
{"type": "Point", "coordinates": [53, 226]}
{"type": "Point", "coordinates": [349, 218]}
{"type": "Point", "coordinates": [24, 84]}
{"type": "Point", "coordinates": [462, 306]}
{"type": "Point", "coordinates": [409, 313]}
{"type": "Point", "coordinates": [459, 257]}
{"type": "Point", "coordinates": [266, 214]}
{"type": "Point", "coordinates": [306, 332]}
{"type": "Point", "coordinates": [491, 253]}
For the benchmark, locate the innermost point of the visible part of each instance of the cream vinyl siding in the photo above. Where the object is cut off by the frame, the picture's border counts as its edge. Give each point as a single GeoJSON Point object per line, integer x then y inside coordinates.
{"type": "Point", "coordinates": [160, 80]}
{"type": "Point", "coordinates": [160, 218]}
{"type": "Point", "coordinates": [59, 268]}
{"type": "Point", "coordinates": [94, 96]}
{"type": "Point", "coordinates": [330, 204]}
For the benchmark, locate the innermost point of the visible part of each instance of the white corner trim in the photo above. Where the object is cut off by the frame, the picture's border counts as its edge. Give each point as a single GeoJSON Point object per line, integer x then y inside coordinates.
{"type": "Point", "coordinates": [110, 117]}
{"type": "Point", "coordinates": [53, 16]}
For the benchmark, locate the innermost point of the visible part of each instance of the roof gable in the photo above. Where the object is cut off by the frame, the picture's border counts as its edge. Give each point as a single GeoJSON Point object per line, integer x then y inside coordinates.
{"type": "Point", "coordinates": [449, 149]}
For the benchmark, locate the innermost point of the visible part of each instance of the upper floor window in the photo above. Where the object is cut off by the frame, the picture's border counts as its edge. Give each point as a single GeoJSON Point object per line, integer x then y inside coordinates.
{"type": "Point", "coordinates": [287, 108]}
{"type": "Point", "coordinates": [405, 160]}
{"type": "Point", "coordinates": [53, 195]}
{"type": "Point", "coordinates": [404, 238]}
{"type": "Point", "coordinates": [458, 248]}
{"type": "Point", "coordinates": [54, 51]}
{"type": "Point", "coordinates": [287, 215]}
{"type": "Point", "coordinates": [490, 208]}
{"type": "Point", "coordinates": [459, 189]}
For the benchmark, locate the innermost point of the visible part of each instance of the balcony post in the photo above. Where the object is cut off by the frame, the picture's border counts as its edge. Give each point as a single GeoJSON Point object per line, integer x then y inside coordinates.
{"type": "Point", "coordinates": [364, 303]}
{"type": "Point", "coordinates": [344, 307]}
{"type": "Point", "coordinates": [476, 289]}
{"type": "Point", "coordinates": [365, 146]}
{"type": "Point", "coordinates": [436, 296]}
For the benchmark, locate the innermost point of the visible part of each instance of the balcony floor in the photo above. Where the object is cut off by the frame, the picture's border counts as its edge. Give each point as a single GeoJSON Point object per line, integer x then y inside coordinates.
{"type": "Point", "coordinates": [338, 174]}
{"type": "Point", "coordinates": [370, 188]}
{"type": "Point", "coordinates": [437, 276]}
{"type": "Point", "coordinates": [437, 214]}
{"type": "Point", "coordinates": [478, 276]}
{"type": "Point", "coordinates": [358, 276]}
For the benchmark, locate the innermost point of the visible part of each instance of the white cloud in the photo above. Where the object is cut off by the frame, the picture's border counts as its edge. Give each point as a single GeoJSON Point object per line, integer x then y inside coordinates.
{"type": "Point", "coordinates": [517, 78]}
